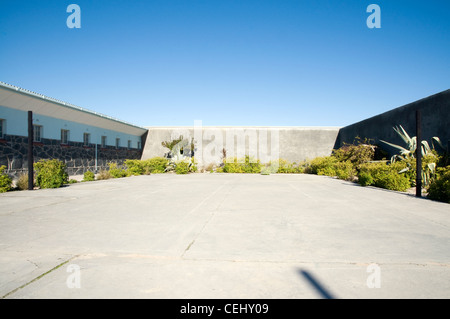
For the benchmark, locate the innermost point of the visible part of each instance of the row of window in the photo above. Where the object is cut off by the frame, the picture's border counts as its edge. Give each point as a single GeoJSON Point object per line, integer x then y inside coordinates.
{"type": "Point", "coordinates": [65, 135]}
{"type": "Point", "coordinates": [37, 131]}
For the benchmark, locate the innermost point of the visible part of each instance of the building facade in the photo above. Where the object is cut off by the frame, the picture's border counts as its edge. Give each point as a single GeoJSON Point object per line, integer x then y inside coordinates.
{"type": "Point", "coordinates": [83, 139]}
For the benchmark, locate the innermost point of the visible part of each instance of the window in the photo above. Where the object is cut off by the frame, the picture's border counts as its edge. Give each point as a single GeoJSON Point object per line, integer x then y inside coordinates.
{"type": "Point", "coordinates": [139, 145]}
{"type": "Point", "coordinates": [129, 144]}
{"type": "Point", "coordinates": [117, 142]}
{"type": "Point", "coordinates": [103, 141]}
{"type": "Point", "coordinates": [37, 133]}
{"type": "Point", "coordinates": [64, 136]}
{"type": "Point", "coordinates": [2, 128]}
{"type": "Point", "coordinates": [86, 139]}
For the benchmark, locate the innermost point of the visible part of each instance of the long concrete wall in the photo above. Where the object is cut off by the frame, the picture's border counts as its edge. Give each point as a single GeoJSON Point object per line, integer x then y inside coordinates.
{"type": "Point", "coordinates": [294, 144]}
{"type": "Point", "coordinates": [435, 112]}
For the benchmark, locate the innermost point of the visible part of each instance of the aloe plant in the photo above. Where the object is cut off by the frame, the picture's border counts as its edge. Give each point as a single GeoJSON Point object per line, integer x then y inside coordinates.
{"type": "Point", "coordinates": [178, 149]}
{"type": "Point", "coordinates": [411, 143]}
{"type": "Point", "coordinates": [407, 153]}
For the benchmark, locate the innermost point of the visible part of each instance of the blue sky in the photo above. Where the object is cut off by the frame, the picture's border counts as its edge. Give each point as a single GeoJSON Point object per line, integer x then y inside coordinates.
{"type": "Point", "coordinates": [229, 62]}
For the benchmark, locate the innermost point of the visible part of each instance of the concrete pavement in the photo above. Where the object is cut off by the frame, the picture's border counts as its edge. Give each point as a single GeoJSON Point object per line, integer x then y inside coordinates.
{"type": "Point", "coordinates": [222, 236]}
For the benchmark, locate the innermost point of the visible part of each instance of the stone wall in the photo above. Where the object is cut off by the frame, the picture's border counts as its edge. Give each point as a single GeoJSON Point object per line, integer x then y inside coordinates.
{"type": "Point", "coordinates": [78, 158]}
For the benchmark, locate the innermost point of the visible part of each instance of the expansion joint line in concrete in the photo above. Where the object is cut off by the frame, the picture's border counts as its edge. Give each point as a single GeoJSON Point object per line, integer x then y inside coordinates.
{"type": "Point", "coordinates": [209, 219]}
{"type": "Point", "coordinates": [38, 277]}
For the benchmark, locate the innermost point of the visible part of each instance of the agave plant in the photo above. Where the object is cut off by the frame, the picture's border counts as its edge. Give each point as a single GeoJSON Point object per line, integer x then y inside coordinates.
{"type": "Point", "coordinates": [411, 143]}
{"type": "Point", "coordinates": [408, 152]}
{"type": "Point", "coordinates": [178, 149]}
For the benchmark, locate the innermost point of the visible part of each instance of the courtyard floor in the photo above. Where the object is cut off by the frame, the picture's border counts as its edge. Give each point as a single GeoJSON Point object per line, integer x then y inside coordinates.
{"type": "Point", "coordinates": [222, 236]}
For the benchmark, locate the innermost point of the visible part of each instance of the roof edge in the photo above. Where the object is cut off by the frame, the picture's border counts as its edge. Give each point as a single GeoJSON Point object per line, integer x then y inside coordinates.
{"type": "Point", "coordinates": [65, 104]}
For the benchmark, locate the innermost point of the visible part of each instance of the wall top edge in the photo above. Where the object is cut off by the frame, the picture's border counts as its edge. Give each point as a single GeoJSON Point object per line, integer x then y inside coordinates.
{"type": "Point", "coordinates": [246, 127]}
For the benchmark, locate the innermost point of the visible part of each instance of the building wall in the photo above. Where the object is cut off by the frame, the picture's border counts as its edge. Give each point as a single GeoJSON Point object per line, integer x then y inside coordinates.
{"type": "Point", "coordinates": [435, 112]}
{"type": "Point", "coordinates": [16, 124]}
{"type": "Point", "coordinates": [78, 157]}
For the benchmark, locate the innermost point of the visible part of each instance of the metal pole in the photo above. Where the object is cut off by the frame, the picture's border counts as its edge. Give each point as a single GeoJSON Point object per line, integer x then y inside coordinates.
{"type": "Point", "coordinates": [418, 154]}
{"type": "Point", "coordinates": [96, 157]}
{"type": "Point", "coordinates": [30, 151]}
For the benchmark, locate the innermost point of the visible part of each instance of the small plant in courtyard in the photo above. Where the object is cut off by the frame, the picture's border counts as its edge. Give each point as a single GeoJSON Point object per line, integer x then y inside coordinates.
{"type": "Point", "coordinates": [22, 181]}
{"type": "Point", "coordinates": [5, 180]}
{"type": "Point", "coordinates": [362, 151]}
{"type": "Point", "coordinates": [182, 167]}
{"type": "Point", "coordinates": [154, 165]}
{"type": "Point", "coordinates": [88, 176]}
{"type": "Point", "coordinates": [408, 154]}
{"type": "Point", "coordinates": [115, 171]}
{"type": "Point", "coordinates": [384, 175]}
{"type": "Point", "coordinates": [439, 189]}
{"type": "Point", "coordinates": [103, 174]}
{"type": "Point", "coordinates": [245, 165]}
{"type": "Point", "coordinates": [50, 173]}
{"type": "Point", "coordinates": [134, 167]}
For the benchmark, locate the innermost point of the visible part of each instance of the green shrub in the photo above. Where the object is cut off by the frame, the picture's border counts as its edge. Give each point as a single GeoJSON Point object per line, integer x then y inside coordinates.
{"type": "Point", "coordinates": [365, 179]}
{"type": "Point", "coordinates": [5, 180]}
{"type": "Point", "coordinates": [345, 170]}
{"type": "Point", "coordinates": [182, 167]}
{"type": "Point", "coordinates": [393, 181]}
{"type": "Point", "coordinates": [244, 165]}
{"type": "Point", "coordinates": [439, 188]}
{"type": "Point", "coordinates": [322, 166]}
{"type": "Point", "coordinates": [134, 167]}
{"type": "Point", "coordinates": [72, 181]}
{"type": "Point", "coordinates": [50, 173]}
{"type": "Point", "coordinates": [251, 165]}
{"type": "Point", "coordinates": [286, 167]}
{"type": "Point", "coordinates": [154, 165]}
{"type": "Point", "coordinates": [88, 176]}
{"type": "Point", "coordinates": [357, 154]}
{"type": "Point", "coordinates": [382, 175]}
{"type": "Point", "coordinates": [408, 164]}
{"type": "Point", "coordinates": [115, 171]}
{"type": "Point", "coordinates": [231, 165]}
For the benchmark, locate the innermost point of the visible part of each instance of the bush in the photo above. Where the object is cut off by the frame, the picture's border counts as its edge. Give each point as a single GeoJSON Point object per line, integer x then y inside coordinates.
{"type": "Point", "coordinates": [50, 173]}
{"type": "Point", "coordinates": [356, 154]}
{"type": "Point", "coordinates": [115, 171]}
{"type": "Point", "coordinates": [134, 167]}
{"type": "Point", "coordinates": [5, 180]}
{"type": "Point", "coordinates": [287, 167]}
{"type": "Point", "coordinates": [22, 182]}
{"type": "Point", "coordinates": [88, 176]}
{"type": "Point", "coordinates": [154, 165]}
{"type": "Point", "coordinates": [103, 174]}
{"type": "Point", "coordinates": [182, 167]}
{"type": "Point", "coordinates": [344, 170]}
{"type": "Point", "coordinates": [322, 166]}
{"type": "Point", "coordinates": [382, 175]}
{"type": "Point", "coordinates": [365, 179]}
{"type": "Point", "coordinates": [251, 165]}
{"type": "Point", "coordinates": [231, 165]}
{"type": "Point", "coordinates": [439, 189]}
{"type": "Point", "coordinates": [245, 165]}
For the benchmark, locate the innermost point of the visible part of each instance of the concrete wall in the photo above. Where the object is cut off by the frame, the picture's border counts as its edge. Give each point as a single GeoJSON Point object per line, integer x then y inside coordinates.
{"type": "Point", "coordinates": [294, 144]}
{"type": "Point", "coordinates": [435, 111]}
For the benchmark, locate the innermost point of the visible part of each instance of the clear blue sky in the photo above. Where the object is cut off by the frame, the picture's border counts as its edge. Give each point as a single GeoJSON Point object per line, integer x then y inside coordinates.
{"type": "Point", "coordinates": [228, 62]}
